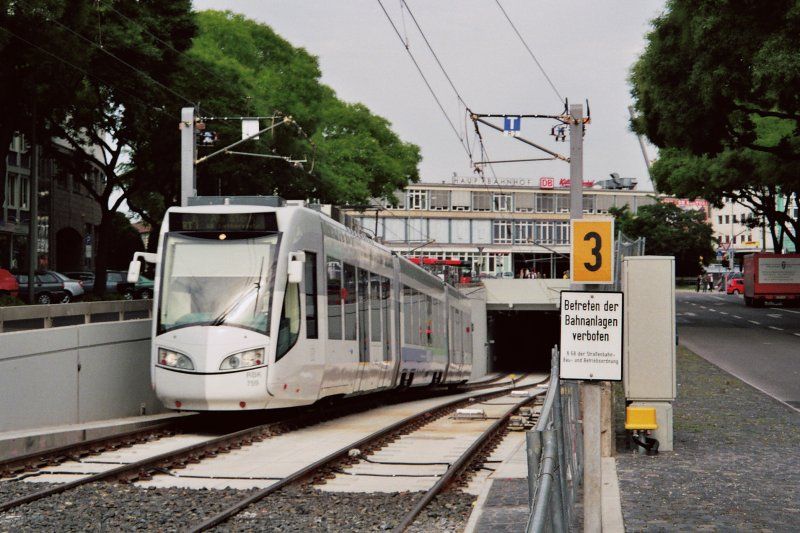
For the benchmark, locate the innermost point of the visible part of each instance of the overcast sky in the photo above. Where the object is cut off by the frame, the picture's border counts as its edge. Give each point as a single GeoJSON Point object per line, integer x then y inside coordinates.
{"type": "Point", "coordinates": [586, 47]}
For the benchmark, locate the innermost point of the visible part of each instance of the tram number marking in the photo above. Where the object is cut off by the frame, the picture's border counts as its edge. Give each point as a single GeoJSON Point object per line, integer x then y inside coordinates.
{"type": "Point", "coordinates": [598, 243]}
{"type": "Point", "coordinates": [253, 378]}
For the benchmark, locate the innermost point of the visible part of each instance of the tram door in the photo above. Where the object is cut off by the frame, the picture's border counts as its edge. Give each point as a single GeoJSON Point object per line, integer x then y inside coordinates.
{"type": "Point", "coordinates": [363, 329]}
{"type": "Point", "coordinates": [387, 330]}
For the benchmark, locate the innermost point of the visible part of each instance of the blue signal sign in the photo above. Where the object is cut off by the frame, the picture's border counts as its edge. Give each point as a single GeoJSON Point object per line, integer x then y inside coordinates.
{"type": "Point", "coordinates": [511, 124]}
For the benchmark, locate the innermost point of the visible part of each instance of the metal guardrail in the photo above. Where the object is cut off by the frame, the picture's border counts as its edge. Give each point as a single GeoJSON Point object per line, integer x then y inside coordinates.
{"type": "Point", "coordinates": [555, 456]}
{"type": "Point", "coordinates": [27, 317]}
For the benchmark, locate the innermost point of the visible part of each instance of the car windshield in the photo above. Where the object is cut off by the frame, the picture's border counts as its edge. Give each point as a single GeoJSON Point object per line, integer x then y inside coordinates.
{"type": "Point", "coordinates": [217, 282]}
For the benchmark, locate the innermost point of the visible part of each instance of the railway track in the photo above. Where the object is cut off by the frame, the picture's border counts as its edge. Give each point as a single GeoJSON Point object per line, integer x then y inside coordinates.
{"type": "Point", "coordinates": [33, 462]}
{"type": "Point", "coordinates": [182, 457]}
{"type": "Point", "coordinates": [320, 469]}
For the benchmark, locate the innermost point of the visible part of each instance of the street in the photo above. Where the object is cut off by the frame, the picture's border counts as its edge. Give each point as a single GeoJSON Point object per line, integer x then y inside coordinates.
{"type": "Point", "coordinates": [759, 346]}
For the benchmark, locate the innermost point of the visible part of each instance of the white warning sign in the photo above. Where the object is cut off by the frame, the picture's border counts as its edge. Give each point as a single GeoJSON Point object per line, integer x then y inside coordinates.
{"type": "Point", "coordinates": [591, 335]}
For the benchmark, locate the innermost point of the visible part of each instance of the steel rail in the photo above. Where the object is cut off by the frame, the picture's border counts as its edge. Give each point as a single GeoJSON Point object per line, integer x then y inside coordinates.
{"type": "Point", "coordinates": [340, 454]}
{"type": "Point", "coordinates": [202, 449]}
{"type": "Point", "coordinates": [459, 465]}
{"type": "Point", "coordinates": [13, 465]}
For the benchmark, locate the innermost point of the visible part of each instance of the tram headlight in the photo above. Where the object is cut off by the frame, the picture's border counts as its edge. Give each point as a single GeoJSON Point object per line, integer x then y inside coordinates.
{"type": "Point", "coordinates": [243, 359]}
{"type": "Point", "coordinates": [174, 359]}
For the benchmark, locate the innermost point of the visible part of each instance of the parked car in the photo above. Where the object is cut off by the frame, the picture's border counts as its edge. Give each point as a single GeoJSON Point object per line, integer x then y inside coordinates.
{"type": "Point", "coordinates": [9, 286]}
{"type": "Point", "coordinates": [114, 278]}
{"type": "Point", "coordinates": [73, 287]}
{"type": "Point", "coordinates": [141, 290]}
{"type": "Point", "coordinates": [47, 289]}
{"type": "Point", "coordinates": [735, 286]}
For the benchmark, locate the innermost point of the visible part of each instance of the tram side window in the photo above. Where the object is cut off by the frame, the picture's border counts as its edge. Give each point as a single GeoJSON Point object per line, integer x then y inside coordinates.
{"type": "Point", "coordinates": [414, 317]}
{"type": "Point", "coordinates": [289, 327]}
{"type": "Point", "coordinates": [349, 293]}
{"type": "Point", "coordinates": [428, 318]}
{"type": "Point", "coordinates": [310, 279]}
{"type": "Point", "coordinates": [408, 294]}
{"type": "Point", "coordinates": [436, 330]}
{"type": "Point", "coordinates": [334, 270]}
{"type": "Point", "coordinates": [385, 299]}
{"type": "Point", "coordinates": [375, 306]}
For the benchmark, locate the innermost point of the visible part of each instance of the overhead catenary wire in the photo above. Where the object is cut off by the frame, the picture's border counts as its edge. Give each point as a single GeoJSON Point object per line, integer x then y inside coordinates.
{"type": "Point", "coordinates": [425, 79]}
{"type": "Point", "coordinates": [530, 52]}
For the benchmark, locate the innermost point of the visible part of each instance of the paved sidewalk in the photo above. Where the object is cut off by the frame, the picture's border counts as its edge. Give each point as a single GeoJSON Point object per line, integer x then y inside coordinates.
{"type": "Point", "coordinates": [736, 464]}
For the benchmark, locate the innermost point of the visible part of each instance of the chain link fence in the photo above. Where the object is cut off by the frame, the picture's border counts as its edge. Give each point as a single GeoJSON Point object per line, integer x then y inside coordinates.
{"type": "Point", "coordinates": [624, 247]}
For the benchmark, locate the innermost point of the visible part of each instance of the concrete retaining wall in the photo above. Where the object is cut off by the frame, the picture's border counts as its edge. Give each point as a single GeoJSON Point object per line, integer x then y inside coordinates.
{"type": "Point", "coordinates": [75, 374]}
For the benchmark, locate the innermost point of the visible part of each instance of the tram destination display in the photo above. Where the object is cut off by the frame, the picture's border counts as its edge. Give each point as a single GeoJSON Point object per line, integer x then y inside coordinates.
{"type": "Point", "coordinates": [249, 221]}
{"type": "Point", "coordinates": [591, 335]}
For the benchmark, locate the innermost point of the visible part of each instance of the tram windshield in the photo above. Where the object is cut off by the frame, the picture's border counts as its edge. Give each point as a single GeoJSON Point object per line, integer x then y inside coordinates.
{"type": "Point", "coordinates": [217, 282]}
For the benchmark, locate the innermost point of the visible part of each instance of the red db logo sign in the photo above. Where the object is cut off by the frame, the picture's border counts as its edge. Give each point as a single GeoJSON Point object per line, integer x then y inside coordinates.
{"type": "Point", "coordinates": [547, 183]}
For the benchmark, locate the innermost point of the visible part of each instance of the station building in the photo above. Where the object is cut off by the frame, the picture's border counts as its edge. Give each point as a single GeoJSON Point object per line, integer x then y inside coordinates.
{"type": "Point", "coordinates": [498, 228]}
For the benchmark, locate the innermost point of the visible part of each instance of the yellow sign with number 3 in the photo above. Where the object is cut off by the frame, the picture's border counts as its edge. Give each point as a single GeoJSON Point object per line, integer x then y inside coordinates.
{"type": "Point", "coordinates": [592, 257]}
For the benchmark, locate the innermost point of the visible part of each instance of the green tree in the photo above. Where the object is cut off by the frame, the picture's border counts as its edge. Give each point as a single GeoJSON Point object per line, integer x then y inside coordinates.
{"type": "Point", "coordinates": [242, 67]}
{"type": "Point", "coordinates": [125, 241]}
{"type": "Point", "coordinates": [34, 74]}
{"type": "Point", "coordinates": [133, 50]}
{"type": "Point", "coordinates": [669, 230]}
{"type": "Point", "coordinates": [97, 74]}
{"type": "Point", "coordinates": [716, 89]}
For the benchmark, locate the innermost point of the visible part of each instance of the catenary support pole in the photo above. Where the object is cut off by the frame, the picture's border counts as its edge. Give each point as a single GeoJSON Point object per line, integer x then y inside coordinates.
{"type": "Point", "coordinates": [188, 155]}
{"type": "Point", "coordinates": [592, 473]}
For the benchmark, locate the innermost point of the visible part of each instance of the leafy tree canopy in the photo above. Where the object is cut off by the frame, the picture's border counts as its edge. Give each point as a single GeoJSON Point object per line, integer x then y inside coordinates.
{"type": "Point", "coordinates": [238, 67]}
{"type": "Point", "coordinates": [97, 73]}
{"type": "Point", "coordinates": [670, 230]}
{"type": "Point", "coordinates": [716, 89]}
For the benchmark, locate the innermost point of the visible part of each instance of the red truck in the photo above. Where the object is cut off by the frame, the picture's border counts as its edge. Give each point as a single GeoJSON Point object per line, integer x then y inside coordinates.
{"type": "Point", "coordinates": [771, 277]}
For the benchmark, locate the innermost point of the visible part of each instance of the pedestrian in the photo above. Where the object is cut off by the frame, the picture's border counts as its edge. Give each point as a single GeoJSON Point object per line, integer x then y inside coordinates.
{"type": "Point", "coordinates": [710, 282]}
{"type": "Point", "coordinates": [699, 282]}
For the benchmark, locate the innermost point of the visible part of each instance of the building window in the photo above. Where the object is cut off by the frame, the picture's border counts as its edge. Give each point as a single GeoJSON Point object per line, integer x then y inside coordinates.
{"type": "Point", "coordinates": [440, 200]}
{"type": "Point", "coordinates": [417, 229]}
{"type": "Point", "coordinates": [543, 232]}
{"type": "Point", "coordinates": [523, 232]}
{"type": "Point", "coordinates": [734, 219]}
{"type": "Point", "coordinates": [589, 202]}
{"type": "Point", "coordinates": [417, 199]}
{"type": "Point", "coordinates": [24, 192]}
{"type": "Point", "coordinates": [562, 203]}
{"type": "Point", "coordinates": [481, 231]}
{"type": "Point", "coordinates": [501, 202]}
{"type": "Point", "coordinates": [11, 190]}
{"type": "Point", "coordinates": [481, 201]}
{"type": "Point", "coordinates": [525, 202]}
{"type": "Point", "coordinates": [460, 200]}
{"type": "Point", "coordinates": [502, 232]}
{"type": "Point", "coordinates": [561, 233]}
{"type": "Point", "coordinates": [544, 203]}
{"type": "Point", "coordinates": [719, 217]}
{"type": "Point", "coordinates": [727, 219]}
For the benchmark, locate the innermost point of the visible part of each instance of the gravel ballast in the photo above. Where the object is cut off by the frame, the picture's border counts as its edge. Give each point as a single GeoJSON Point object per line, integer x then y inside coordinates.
{"type": "Point", "coordinates": [115, 507]}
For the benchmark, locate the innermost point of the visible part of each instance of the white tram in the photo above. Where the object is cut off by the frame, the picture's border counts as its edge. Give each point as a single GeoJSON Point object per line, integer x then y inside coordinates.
{"type": "Point", "coordinates": [264, 307]}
